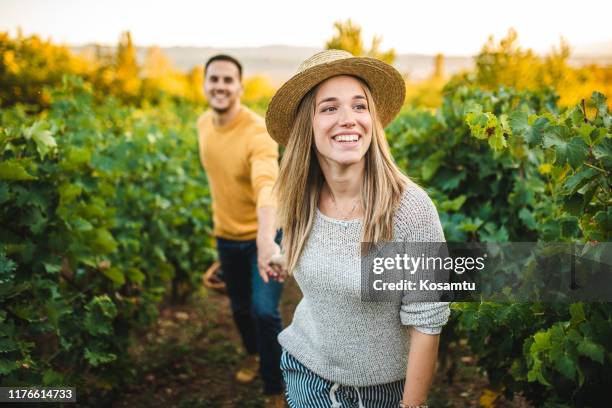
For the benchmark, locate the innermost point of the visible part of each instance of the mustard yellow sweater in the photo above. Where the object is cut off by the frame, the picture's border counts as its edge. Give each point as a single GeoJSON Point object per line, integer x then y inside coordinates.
{"type": "Point", "coordinates": [241, 163]}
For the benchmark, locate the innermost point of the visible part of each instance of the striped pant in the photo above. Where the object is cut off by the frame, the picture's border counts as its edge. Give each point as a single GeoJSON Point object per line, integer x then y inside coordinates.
{"type": "Point", "coordinates": [305, 389]}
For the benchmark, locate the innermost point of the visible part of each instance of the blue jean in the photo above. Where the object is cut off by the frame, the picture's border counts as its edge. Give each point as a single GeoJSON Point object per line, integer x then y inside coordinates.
{"type": "Point", "coordinates": [254, 307]}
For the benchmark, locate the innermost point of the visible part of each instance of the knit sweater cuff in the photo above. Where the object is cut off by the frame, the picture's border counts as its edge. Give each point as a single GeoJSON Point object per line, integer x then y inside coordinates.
{"type": "Point", "coordinates": [426, 317]}
{"type": "Point", "coordinates": [428, 330]}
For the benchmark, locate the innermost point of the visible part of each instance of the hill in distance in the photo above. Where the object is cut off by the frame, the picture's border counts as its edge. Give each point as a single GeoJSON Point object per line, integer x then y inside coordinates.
{"type": "Point", "coordinates": [280, 62]}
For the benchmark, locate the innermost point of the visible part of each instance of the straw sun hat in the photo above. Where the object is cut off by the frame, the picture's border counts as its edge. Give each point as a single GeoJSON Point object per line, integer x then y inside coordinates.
{"type": "Point", "coordinates": [387, 86]}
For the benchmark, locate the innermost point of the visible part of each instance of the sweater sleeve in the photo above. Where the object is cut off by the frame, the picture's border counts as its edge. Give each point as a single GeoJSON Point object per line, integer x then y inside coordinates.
{"type": "Point", "coordinates": [263, 159]}
{"type": "Point", "coordinates": [421, 223]}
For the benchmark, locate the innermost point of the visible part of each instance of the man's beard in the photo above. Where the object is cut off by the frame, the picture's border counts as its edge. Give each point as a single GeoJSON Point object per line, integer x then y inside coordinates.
{"type": "Point", "coordinates": [221, 111]}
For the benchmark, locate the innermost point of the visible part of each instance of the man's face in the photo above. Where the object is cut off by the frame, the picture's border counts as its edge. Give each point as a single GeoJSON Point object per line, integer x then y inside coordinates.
{"type": "Point", "coordinates": [222, 85]}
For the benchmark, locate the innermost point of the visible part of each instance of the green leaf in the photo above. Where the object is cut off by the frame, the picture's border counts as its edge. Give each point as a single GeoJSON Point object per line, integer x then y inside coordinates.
{"type": "Point", "coordinates": [573, 151]}
{"type": "Point", "coordinates": [566, 366]}
{"type": "Point", "coordinates": [585, 130]}
{"type": "Point", "coordinates": [7, 267]}
{"type": "Point", "coordinates": [592, 350]}
{"type": "Point", "coordinates": [570, 227]}
{"type": "Point", "coordinates": [577, 116]}
{"type": "Point", "coordinates": [603, 151]}
{"type": "Point", "coordinates": [52, 268]}
{"type": "Point", "coordinates": [541, 342]}
{"type": "Point", "coordinates": [7, 345]}
{"type": "Point", "coordinates": [103, 241]}
{"type": "Point", "coordinates": [599, 101]}
{"type": "Point", "coordinates": [76, 157]}
{"type": "Point", "coordinates": [68, 192]}
{"type": "Point", "coordinates": [529, 127]}
{"type": "Point", "coordinates": [54, 310]}
{"type": "Point", "coordinates": [135, 275]}
{"type": "Point", "coordinates": [97, 358]}
{"type": "Point", "coordinates": [7, 366]}
{"type": "Point", "coordinates": [577, 152]}
{"type": "Point", "coordinates": [573, 204]}
{"type": "Point", "coordinates": [475, 117]}
{"type": "Point", "coordinates": [534, 134]}
{"type": "Point", "coordinates": [577, 313]}
{"type": "Point", "coordinates": [454, 204]}
{"type": "Point", "coordinates": [518, 121]}
{"type": "Point", "coordinates": [100, 312]}
{"type": "Point", "coordinates": [493, 233]}
{"type": "Point", "coordinates": [497, 140]}
{"type": "Point", "coordinates": [13, 170]}
{"type": "Point", "coordinates": [431, 165]}
{"type": "Point", "coordinates": [580, 178]}
{"type": "Point", "coordinates": [80, 224]}
{"type": "Point", "coordinates": [45, 142]}
{"type": "Point", "coordinates": [470, 225]}
{"type": "Point", "coordinates": [35, 220]}
{"type": "Point", "coordinates": [535, 373]}
{"type": "Point", "coordinates": [480, 124]}
{"type": "Point", "coordinates": [527, 217]}
{"type": "Point", "coordinates": [450, 181]}
{"type": "Point", "coordinates": [115, 275]}
{"type": "Point", "coordinates": [574, 335]}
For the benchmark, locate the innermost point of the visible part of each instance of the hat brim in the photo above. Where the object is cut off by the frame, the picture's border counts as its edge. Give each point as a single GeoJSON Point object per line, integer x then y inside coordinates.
{"type": "Point", "coordinates": [385, 82]}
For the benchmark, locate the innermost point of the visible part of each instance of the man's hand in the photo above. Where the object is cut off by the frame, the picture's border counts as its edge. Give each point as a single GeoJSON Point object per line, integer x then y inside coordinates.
{"type": "Point", "coordinates": [279, 268]}
{"type": "Point", "coordinates": [266, 247]}
{"type": "Point", "coordinates": [269, 258]}
{"type": "Point", "coordinates": [266, 251]}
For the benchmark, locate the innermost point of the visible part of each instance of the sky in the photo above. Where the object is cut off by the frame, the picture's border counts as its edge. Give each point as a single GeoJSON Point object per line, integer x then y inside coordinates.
{"type": "Point", "coordinates": [453, 27]}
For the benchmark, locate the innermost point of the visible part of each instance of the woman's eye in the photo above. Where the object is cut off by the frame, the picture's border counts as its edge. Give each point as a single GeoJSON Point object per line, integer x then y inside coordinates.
{"type": "Point", "coordinates": [361, 107]}
{"type": "Point", "coordinates": [329, 109]}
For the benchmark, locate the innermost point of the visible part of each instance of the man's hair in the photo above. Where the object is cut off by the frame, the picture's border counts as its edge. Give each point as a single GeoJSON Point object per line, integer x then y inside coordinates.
{"type": "Point", "coordinates": [224, 57]}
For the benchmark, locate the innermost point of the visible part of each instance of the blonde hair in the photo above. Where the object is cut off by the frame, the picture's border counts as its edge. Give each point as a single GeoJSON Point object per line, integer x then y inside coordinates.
{"type": "Point", "coordinates": [301, 179]}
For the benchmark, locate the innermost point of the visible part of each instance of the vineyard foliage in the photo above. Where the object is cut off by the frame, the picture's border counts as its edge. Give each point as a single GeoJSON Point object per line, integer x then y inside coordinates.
{"type": "Point", "coordinates": [105, 210]}
{"type": "Point", "coordinates": [508, 166]}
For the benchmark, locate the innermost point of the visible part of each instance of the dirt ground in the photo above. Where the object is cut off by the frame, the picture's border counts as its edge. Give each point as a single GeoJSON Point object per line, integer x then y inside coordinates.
{"type": "Point", "coordinates": [188, 360]}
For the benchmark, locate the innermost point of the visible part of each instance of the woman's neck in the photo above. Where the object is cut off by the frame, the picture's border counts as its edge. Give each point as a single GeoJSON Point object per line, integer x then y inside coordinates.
{"type": "Point", "coordinates": [341, 194]}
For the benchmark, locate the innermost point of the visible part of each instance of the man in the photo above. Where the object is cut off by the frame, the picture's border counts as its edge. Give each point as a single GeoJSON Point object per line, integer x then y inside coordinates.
{"type": "Point", "coordinates": [241, 162]}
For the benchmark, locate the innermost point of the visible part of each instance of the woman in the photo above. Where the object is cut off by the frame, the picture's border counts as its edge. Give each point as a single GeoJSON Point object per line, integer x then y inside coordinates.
{"type": "Point", "coordinates": [339, 186]}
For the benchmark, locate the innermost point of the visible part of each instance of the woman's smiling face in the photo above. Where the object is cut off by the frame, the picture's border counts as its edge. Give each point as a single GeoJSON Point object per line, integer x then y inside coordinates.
{"type": "Point", "coordinates": [342, 124]}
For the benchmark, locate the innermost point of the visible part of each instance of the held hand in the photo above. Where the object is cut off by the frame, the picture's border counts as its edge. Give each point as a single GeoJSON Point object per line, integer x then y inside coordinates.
{"type": "Point", "coordinates": [265, 252]}
{"type": "Point", "coordinates": [279, 268]}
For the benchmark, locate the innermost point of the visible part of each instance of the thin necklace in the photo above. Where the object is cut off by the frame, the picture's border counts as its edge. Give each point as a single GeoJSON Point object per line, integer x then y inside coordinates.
{"type": "Point", "coordinates": [346, 216]}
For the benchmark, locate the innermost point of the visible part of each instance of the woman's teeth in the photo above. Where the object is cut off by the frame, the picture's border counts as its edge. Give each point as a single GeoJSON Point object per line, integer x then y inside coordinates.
{"type": "Point", "coordinates": [346, 138]}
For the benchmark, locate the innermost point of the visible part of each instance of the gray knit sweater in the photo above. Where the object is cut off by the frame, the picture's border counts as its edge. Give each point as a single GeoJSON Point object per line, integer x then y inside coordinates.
{"type": "Point", "coordinates": [333, 332]}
